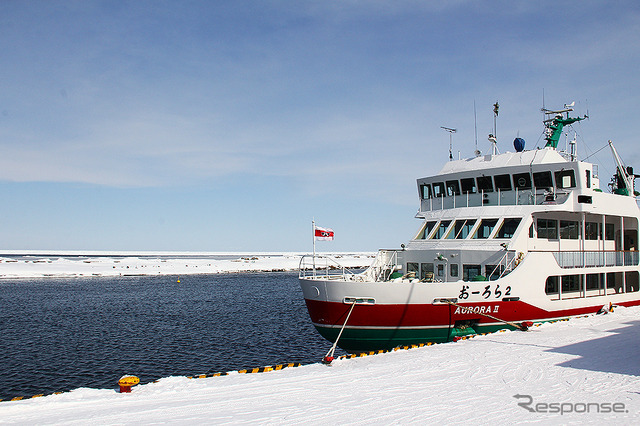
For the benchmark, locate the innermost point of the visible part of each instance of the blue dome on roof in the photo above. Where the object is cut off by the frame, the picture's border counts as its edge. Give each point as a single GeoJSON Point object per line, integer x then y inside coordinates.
{"type": "Point", "coordinates": [518, 144]}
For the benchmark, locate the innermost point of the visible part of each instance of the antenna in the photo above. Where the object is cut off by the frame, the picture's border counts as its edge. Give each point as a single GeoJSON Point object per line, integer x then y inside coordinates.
{"type": "Point", "coordinates": [475, 126]}
{"type": "Point", "coordinates": [451, 132]}
{"type": "Point", "coordinates": [496, 107]}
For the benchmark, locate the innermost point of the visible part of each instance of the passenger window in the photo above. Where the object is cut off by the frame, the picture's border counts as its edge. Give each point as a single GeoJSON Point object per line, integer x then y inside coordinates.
{"type": "Point", "coordinates": [522, 180]}
{"type": "Point", "coordinates": [469, 272]}
{"type": "Point", "coordinates": [568, 229]}
{"type": "Point", "coordinates": [503, 182]}
{"type": "Point", "coordinates": [485, 184]}
{"type": "Point", "coordinates": [426, 271]}
{"type": "Point", "coordinates": [547, 228]}
{"type": "Point", "coordinates": [453, 188]}
{"type": "Point", "coordinates": [453, 269]}
{"type": "Point", "coordinates": [412, 269]}
{"type": "Point", "coordinates": [485, 228]}
{"type": "Point", "coordinates": [542, 180]}
{"type": "Point", "coordinates": [565, 179]}
{"type": "Point", "coordinates": [468, 186]}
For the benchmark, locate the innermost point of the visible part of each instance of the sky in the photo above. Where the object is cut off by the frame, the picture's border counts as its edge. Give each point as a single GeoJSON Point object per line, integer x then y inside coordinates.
{"type": "Point", "coordinates": [229, 126]}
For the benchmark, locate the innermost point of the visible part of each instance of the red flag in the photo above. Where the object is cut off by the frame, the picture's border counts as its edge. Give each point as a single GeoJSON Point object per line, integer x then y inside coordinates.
{"type": "Point", "coordinates": [323, 233]}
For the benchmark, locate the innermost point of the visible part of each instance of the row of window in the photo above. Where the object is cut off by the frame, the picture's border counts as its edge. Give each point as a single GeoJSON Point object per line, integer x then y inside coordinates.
{"type": "Point", "coordinates": [505, 182]}
{"type": "Point", "coordinates": [570, 230]}
{"type": "Point", "coordinates": [426, 271]}
{"type": "Point", "coordinates": [463, 228]}
{"type": "Point", "coordinates": [579, 283]}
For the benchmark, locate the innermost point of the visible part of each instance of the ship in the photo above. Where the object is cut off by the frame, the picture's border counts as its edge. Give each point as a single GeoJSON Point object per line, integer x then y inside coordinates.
{"type": "Point", "coordinates": [505, 240]}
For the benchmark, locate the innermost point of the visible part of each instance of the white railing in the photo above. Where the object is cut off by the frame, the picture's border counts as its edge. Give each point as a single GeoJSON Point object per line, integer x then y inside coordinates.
{"type": "Point", "coordinates": [499, 198]}
{"type": "Point", "coordinates": [383, 266]}
{"type": "Point", "coordinates": [587, 259]}
{"type": "Point", "coordinates": [325, 267]}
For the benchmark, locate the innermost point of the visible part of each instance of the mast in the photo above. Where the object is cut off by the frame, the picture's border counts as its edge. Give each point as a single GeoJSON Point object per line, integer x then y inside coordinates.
{"type": "Point", "coordinates": [451, 132]}
{"type": "Point", "coordinates": [554, 126]}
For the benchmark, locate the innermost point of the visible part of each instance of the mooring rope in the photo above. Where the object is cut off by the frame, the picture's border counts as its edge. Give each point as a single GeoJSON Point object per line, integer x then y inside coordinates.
{"type": "Point", "coordinates": [329, 356]}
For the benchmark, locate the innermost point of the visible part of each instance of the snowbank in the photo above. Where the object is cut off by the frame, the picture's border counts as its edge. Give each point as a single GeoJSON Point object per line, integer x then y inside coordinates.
{"type": "Point", "coordinates": [580, 371]}
{"type": "Point", "coordinates": [77, 264]}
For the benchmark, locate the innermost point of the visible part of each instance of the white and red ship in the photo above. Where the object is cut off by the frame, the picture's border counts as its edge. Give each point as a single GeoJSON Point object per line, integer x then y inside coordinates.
{"type": "Point", "coordinates": [505, 239]}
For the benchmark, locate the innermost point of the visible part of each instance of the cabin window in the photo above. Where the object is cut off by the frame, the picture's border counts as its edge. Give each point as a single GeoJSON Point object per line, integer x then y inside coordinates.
{"type": "Point", "coordinates": [565, 179]}
{"type": "Point", "coordinates": [569, 230]}
{"type": "Point", "coordinates": [468, 186]}
{"type": "Point", "coordinates": [542, 180]}
{"type": "Point", "coordinates": [547, 228]}
{"type": "Point", "coordinates": [469, 272]}
{"type": "Point", "coordinates": [588, 178]}
{"type": "Point", "coordinates": [593, 281]}
{"type": "Point", "coordinates": [508, 228]}
{"type": "Point", "coordinates": [591, 230]}
{"type": "Point", "coordinates": [503, 182]}
{"type": "Point", "coordinates": [493, 272]}
{"type": "Point", "coordinates": [453, 188]}
{"type": "Point", "coordinates": [522, 180]}
{"type": "Point", "coordinates": [453, 269]}
{"type": "Point", "coordinates": [608, 232]}
{"type": "Point", "coordinates": [531, 231]}
{"type": "Point", "coordinates": [461, 229]}
{"type": "Point", "coordinates": [551, 286]}
{"type": "Point", "coordinates": [438, 189]}
{"type": "Point", "coordinates": [485, 184]}
{"type": "Point", "coordinates": [413, 268]}
{"type": "Point", "coordinates": [441, 229]}
{"type": "Point", "coordinates": [426, 271]}
{"type": "Point", "coordinates": [426, 230]}
{"type": "Point", "coordinates": [570, 283]}
{"type": "Point", "coordinates": [425, 191]}
{"type": "Point", "coordinates": [631, 279]}
{"type": "Point", "coordinates": [441, 270]}
{"type": "Point", "coordinates": [485, 228]}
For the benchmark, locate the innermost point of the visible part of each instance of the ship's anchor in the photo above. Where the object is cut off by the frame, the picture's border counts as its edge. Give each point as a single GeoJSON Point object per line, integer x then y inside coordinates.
{"type": "Point", "coordinates": [523, 326]}
{"type": "Point", "coordinates": [329, 356]}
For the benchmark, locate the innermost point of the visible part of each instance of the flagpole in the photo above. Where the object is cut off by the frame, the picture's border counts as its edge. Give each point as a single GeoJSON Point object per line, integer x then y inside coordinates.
{"type": "Point", "coordinates": [313, 235]}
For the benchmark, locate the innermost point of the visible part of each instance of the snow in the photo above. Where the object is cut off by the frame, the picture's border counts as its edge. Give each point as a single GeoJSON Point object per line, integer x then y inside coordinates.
{"type": "Point", "coordinates": [82, 264]}
{"type": "Point", "coordinates": [588, 360]}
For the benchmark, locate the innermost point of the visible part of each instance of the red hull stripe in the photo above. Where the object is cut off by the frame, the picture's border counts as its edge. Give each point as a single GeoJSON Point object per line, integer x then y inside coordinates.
{"type": "Point", "coordinates": [325, 314]}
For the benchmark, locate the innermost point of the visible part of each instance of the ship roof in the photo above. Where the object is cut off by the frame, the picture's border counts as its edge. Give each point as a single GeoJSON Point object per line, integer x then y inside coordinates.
{"type": "Point", "coordinates": [484, 162]}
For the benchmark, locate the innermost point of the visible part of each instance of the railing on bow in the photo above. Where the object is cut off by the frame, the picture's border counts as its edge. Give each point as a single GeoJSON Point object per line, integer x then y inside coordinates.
{"type": "Point", "coordinates": [506, 264]}
{"type": "Point", "coordinates": [383, 266]}
{"type": "Point", "coordinates": [324, 267]}
{"type": "Point", "coordinates": [590, 259]}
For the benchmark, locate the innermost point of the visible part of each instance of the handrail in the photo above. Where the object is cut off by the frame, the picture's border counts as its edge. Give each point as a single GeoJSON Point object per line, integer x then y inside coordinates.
{"type": "Point", "coordinates": [309, 266]}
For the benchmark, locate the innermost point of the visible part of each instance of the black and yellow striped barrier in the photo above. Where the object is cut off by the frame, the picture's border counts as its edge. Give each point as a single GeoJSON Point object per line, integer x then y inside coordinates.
{"type": "Point", "coordinates": [249, 370]}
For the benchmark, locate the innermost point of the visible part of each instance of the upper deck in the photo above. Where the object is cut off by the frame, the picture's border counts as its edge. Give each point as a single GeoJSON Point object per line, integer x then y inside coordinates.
{"type": "Point", "coordinates": [535, 177]}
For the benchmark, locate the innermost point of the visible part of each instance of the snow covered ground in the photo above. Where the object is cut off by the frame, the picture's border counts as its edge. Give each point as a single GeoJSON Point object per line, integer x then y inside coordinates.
{"type": "Point", "coordinates": [580, 371]}
{"type": "Point", "coordinates": [78, 264]}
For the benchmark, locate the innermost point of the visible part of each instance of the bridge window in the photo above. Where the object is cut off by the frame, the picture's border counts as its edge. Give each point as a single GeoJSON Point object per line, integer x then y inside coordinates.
{"type": "Point", "coordinates": [508, 228]}
{"type": "Point", "coordinates": [425, 191]}
{"type": "Point", "coordinates": [438, 189]}
{"type": "Point", "coordinates": [453, 188]}
{"type": "Point", "coordinates": [468, 186]}
{"type": "Point", "coordinates": [461, 229]}
{"type": "Point", "coordinates": [565, 179]}
{"type": "Point", "coordinates": [441, 229]}
{"type": "Point", "coordinates": [485, 184]}
{"type": "Point", "coordinates": [426, 230]}
{"type": "Point", "coordinates": [503, 182]}
{"type": "Point", "coordinates": [522, 180]}
{"type": "Point", "coordinates": [485, 228]}
{"type": "Point", "coordinates": [542, 180]}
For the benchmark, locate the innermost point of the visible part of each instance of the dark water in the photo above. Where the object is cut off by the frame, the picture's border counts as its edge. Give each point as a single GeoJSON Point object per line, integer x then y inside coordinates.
{"type": "Point", "coordinates": [60, 334]}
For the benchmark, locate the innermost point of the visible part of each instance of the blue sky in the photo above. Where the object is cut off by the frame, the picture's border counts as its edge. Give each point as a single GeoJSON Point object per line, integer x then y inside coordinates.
{"type": "Point", "coordinates": [228, 126]}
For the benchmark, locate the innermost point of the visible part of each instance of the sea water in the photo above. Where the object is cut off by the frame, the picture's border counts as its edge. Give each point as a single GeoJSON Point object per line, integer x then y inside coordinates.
{"type": "Point", "coordinates": [58, 334]}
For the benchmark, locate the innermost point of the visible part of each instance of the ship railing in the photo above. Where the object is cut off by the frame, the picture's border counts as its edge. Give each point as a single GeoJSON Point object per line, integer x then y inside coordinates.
{"type": "Point", "coordinates": [383, 266]}
{"type": "Point", "coordinates": [506, 264]}
{"type": "Point", "coordinates": [590, 259]}
{"type": "Point", "coordinates": [515, 197]}
{"type": "Point", "coordinates": [326, 268]}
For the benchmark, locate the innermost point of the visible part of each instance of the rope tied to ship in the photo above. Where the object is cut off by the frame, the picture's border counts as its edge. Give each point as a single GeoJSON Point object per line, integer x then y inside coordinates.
{"type": "Point", "coordinates": [523, 326]}
{"type": "Point", "coordinates": [329, 356]}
